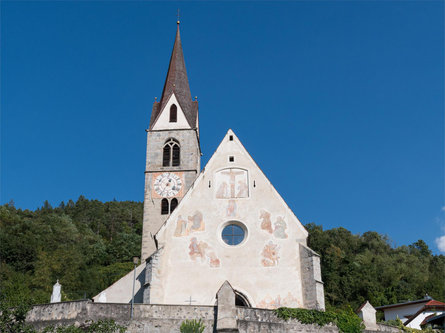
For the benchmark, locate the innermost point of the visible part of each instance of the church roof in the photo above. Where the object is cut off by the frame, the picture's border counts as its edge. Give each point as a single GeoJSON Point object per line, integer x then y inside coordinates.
{"type": "Point", "coordinates": [177, 83]}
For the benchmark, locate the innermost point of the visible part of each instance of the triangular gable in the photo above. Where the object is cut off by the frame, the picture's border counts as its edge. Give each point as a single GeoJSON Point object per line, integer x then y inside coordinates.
{"type": "Point", "coordinates": [210, 167]}
{"type": "Point", "coordinates": [162, 120]}
{"type": "Point", "coordinates": [428, 307]}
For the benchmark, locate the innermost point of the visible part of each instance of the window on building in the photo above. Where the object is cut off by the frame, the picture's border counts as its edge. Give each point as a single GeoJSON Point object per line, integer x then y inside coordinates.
{"type": "Point", "coordinates": [233, 234]}
{"type": "Point", "coordinates": [173, 113]}
{"type": "Point", "coordinates": [175, 155]}
{"type": "Point", "coordinates": [173, 205]}
{"type": "Point", "coordinates": [241, 299]}
{"type": "Point", "coordinates": [171, 155]}
{"type": "Point", "coordinates": [166, 155]}
{"type": "Point", "coordinates": [164, 206]}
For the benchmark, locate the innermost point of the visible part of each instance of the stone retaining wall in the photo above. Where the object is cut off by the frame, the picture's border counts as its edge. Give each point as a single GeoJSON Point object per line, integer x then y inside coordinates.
{"type": "Point", "coordinates": [162, 318]}
{"type": "Point", "coordinates": [146, 317]}
{"type": "Point", "coordinates": [150, 318]}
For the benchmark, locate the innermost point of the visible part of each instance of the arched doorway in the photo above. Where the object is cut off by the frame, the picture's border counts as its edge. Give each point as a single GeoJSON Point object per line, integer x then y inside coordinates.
{"type": "Point", "coordinates": [241, 300]}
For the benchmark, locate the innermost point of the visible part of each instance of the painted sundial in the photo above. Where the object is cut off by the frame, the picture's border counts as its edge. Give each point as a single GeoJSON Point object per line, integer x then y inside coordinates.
{"type": "Point", "coordinates": [167, 184]}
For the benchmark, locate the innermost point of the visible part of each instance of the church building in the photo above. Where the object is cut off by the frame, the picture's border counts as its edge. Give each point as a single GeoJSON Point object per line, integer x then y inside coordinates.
{"type": "Point", "coordinates": [224, 223]}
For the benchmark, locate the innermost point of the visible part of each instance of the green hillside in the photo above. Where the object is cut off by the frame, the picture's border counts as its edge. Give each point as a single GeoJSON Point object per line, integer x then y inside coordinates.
{"type": "Point", "coordinates": [88, 245]}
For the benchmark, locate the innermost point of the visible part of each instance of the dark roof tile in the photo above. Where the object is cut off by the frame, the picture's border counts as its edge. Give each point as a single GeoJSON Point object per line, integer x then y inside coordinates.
{"type": "Point", "coordinates": [177, 83]}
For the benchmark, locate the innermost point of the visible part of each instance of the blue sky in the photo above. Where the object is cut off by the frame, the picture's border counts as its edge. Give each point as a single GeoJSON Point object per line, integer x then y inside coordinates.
{"type": "Point", "coordinates": [341, 103]}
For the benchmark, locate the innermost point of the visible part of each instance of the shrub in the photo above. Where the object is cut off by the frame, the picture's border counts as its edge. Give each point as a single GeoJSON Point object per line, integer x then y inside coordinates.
{"type": "Point", "coordinates": [192, 326]}
{"type": "Point", "coordinates": [346, 320]}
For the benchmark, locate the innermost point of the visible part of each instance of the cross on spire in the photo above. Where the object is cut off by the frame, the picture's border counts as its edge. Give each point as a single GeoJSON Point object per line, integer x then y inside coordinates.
{"type": "Point", "coordinates": [178, 17]}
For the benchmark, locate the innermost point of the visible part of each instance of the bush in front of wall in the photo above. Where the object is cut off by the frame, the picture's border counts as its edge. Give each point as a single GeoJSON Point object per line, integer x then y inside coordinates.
{"type": "Point", "coordinates": [192, 326]}
{"type": "Point", "coordinates": [346, 320]}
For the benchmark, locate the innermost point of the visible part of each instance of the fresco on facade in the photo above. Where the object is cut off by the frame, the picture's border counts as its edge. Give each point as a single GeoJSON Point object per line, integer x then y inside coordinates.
{"type": "Point", "coordinates": [181, 227]}
{"type": "Point", "coordinates": [201, 250]}
{"type": "Point", "coordinates": [275, 303]}
{"type": "Point", "coordinates": [280, 228]}
{"type": "Point", "coordinates": [193, 223]}
{"type": "Point", "coordinates": [232, 183]}
{"type": "Point", "coordinates": [196, 222]}
{"type": "Point", "coordinates": [266, 224]}
{"type": "Point", "coordinates": [231, 208]}
{"type": "Point", "coordinates": [270, 254]}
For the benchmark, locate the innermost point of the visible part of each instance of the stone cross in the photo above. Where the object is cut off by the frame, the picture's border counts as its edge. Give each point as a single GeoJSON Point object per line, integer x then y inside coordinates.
{"type": "Point", "coordinates": [190, 300]}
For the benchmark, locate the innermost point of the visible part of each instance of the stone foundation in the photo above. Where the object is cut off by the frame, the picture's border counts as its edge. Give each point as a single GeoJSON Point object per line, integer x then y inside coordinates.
{"type": "Point", "coordinates": [164, 318]}
{"type": "Point", "coordinates": [149, 318]}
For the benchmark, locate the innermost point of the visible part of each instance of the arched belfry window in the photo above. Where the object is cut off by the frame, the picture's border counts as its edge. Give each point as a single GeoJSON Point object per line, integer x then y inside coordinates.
{"type": "Point", "coordinates": [164, 206]}
{"type": "Point", "coordinates": [173, 205]}
{"type": "Point", "coordinates": [175, 155]}
{"type": "Point", "coordinates": [173, 113]}
{"type": "Point", "coordinates": [171, 154]}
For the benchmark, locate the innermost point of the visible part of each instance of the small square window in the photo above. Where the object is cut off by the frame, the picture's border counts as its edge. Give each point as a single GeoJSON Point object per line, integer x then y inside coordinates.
{"type": "Point", "coordinates": [231, 137]}
{"type": "Point", "coordinates": [231, 159]}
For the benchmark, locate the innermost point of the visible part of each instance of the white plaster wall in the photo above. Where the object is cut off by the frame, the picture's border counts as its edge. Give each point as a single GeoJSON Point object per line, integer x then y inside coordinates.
{"type": "Point", "coordinates": [402, 311]}
{"type": "Point", "coordinates": [163, 121]}
{"type": "Point", "coordinates": [415, 323]}
{"type": "Point", "coordinates": [121, 290]}
{"type": "Point", "coordinates": [179, 276]}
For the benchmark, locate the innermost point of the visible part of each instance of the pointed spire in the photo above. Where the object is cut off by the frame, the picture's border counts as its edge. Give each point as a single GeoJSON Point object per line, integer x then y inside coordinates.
{"type": "Point", "coordinates": [177, 83]}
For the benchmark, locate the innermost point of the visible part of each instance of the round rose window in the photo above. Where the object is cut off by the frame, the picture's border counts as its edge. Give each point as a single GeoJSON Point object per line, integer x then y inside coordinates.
{"type": "Point", "coordinates": [233, 234]}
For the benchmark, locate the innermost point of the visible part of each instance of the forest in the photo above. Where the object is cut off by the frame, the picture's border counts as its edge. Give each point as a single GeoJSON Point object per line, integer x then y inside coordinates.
{"type": "Point", "coordinates": [87, 245]}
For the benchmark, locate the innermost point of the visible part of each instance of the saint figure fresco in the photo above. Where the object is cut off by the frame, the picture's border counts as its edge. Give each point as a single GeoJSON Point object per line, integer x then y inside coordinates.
{"type": "Point", "coordinates": [196, 222]}
{"type": "Point", "coordinates": [202, 250]}
{"type": "Point", "coordinates": [197, 250]}
{"type": "Point", "coordinates": [231, 208]}
{"type": "Point", "coordinates": [181, 227]}
{"type": "Point", "coordinates": [214, 261]}
{"type": "Point", "coordinates": [270, 255]}
{"type": "Point", "coordinates": [266, 224]}
{"type": "Point", "coordinates": [243, 189]}
{"type": "Point", "coordinates": [223, 191]}
{"type": "Point", "coordinates": [280, 227]}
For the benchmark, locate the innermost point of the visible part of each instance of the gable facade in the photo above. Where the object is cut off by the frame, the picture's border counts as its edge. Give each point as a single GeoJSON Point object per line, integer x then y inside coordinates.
{"type": "Point", "coordinates": [231, 202]}
{"type": "Point", "coordinates": [163, 121]}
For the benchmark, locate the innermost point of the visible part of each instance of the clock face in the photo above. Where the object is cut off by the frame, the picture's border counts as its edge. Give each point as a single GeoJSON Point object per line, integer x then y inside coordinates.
{"type": "Point", "coordinates": [167, 184]}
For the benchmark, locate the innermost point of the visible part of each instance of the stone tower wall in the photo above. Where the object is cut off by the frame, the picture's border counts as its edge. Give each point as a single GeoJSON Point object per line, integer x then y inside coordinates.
{"type": "Point", "coordinates": [190, 159]}
{"type": "Point", "coordinates": [313, 291]}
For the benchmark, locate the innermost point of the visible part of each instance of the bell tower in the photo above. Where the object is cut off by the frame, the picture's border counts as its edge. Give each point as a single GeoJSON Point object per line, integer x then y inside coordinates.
{"type": "Point", "coordinates": [173, 151]}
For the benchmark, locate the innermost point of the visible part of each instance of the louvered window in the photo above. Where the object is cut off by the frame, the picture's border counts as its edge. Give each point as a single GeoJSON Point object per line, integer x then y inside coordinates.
{"type": "Point", "coordinates": [171, 155]}
{"type": "Point", "coordinates": [173, 113]}
{"type": "Point", "coordinates": [164, 206]}
{"type": "Point", "coordinates": [176, 157]}
{"type": "Point", "coordinates": [173, 205]}
{"type": "Point", "coordinates": [166, 155]}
